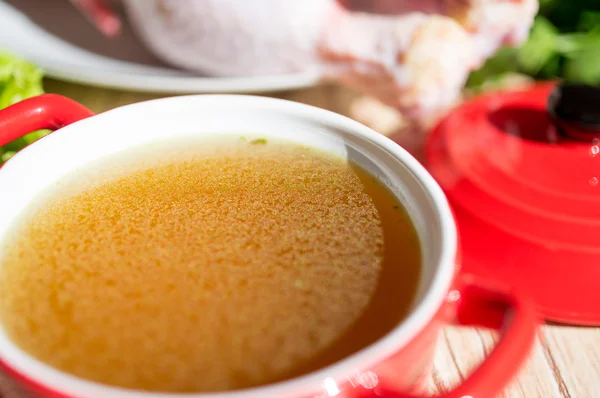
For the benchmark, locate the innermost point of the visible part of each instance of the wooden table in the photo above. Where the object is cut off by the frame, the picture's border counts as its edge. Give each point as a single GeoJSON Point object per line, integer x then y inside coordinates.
{"type": "Point", "coordinates": [566, 362]}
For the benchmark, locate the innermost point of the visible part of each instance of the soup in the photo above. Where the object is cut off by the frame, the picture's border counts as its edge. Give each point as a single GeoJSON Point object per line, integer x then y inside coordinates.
{"type": "Point", "coordinates": [197, 266]}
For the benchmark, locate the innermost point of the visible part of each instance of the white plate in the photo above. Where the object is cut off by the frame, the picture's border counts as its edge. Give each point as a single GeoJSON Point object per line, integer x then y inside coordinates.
{"type": "Point", "coordinates": [53, 35]}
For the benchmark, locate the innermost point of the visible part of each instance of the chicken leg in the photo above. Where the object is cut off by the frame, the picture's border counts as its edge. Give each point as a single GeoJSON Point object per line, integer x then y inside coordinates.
{"type": "Point", "coordinates": [416, 56]}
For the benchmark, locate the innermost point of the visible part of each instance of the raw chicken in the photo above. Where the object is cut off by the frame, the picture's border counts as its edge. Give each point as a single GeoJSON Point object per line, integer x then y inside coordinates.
{"type": "Point", "coordinates": [491, 22]}
{"type": "Point", "coordinates": [415, 57]}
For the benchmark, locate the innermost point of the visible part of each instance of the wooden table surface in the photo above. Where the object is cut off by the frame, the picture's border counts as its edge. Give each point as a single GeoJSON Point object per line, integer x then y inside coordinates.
{"type": "Point", "coordinates": [565, 363]}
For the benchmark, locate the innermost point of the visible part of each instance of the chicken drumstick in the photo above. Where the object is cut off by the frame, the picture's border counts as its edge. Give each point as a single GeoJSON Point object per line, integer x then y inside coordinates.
{"type": "Point", "coordinates": [413, 54]}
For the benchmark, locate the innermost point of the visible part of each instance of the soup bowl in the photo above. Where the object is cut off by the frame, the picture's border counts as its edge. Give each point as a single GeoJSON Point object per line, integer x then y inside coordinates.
{"type": "Point", "coordinates": [398, 364]}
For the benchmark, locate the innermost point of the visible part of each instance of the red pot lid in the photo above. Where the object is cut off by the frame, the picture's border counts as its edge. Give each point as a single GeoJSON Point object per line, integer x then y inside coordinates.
{"type": "Point", "coordinates": [524, 184]}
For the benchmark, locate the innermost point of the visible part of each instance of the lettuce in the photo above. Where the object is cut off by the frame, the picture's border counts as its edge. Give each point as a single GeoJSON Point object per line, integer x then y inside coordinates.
{"type": "Point", "coordinates": [19, 80]}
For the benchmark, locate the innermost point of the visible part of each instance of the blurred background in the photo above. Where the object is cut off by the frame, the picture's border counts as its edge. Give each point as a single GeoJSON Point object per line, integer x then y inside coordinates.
{"type": "Point", "coordinates": [336, 59]}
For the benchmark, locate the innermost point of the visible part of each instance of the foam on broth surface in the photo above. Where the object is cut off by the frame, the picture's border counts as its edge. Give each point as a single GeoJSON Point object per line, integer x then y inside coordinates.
{"type": "Point", "coordinates": [199, 266]}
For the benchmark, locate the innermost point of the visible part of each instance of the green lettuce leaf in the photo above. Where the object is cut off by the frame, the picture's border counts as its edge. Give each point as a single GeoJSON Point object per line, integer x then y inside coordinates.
{"type": "Point", "coordinates": [19, 80]}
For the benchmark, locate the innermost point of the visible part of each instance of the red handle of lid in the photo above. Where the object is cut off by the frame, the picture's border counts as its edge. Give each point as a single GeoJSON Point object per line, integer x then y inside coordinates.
{"type": "Point", "coordinates": [575, 109]}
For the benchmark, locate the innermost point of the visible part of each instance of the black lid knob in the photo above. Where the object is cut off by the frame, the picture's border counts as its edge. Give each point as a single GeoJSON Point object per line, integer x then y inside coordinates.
{"type": "Point", "coordinates": [575, 109]}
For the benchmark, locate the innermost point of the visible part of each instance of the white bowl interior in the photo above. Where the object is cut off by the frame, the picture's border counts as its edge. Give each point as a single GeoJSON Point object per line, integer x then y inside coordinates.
{"type": "Point", "coordinates": [72, 147]}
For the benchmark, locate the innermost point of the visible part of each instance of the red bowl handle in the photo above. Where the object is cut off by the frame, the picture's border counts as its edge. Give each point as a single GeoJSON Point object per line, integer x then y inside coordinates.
{"type": "Point", "coordinates": [494, 308]}
{"type": "Point", "coordinates": [46, 111]}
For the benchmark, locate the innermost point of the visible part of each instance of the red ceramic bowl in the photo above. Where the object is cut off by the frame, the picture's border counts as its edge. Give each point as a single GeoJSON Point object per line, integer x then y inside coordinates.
{"type": "Point", "coordinates": [396, 365]}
